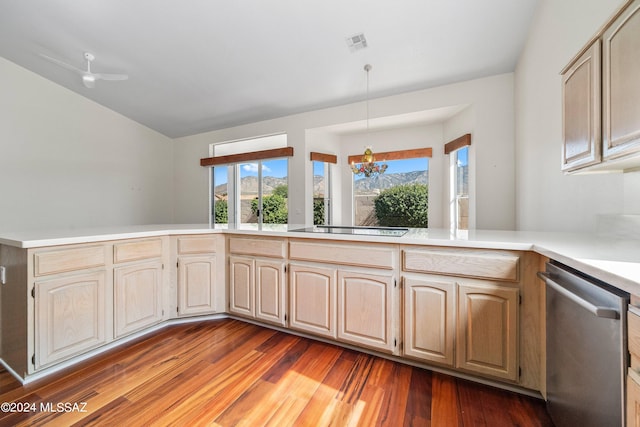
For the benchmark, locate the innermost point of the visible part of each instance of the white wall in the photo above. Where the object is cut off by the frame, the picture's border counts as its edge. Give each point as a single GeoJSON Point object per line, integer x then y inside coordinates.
{"type": "Point", "coordinates": [546, 199]}
{"type": "Point", "coordinates": [493, 137]}
{"type": "Point", "coordinates": [67, 162]}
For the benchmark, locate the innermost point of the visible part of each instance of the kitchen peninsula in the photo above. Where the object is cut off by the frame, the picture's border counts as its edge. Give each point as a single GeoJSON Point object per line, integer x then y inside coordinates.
{"type": "Point", "coordinates": [471, 306]}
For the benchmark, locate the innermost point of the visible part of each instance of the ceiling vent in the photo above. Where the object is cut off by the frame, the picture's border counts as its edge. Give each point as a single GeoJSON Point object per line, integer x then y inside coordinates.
{"type": "Point", "coordinates": [356, 42]}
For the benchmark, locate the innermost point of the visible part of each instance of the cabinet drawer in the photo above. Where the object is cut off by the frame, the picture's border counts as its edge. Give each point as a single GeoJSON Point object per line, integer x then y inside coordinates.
{"type": "Point", "coordinates": [481, 264]}
{"type": "Point", "coordinates": [136, 250]}
{"type": "Point", "coordinates": [63, 260]}
{"type": "Point", "coordinates": [196, 245]}
{"type": "Point", "coordinates": [275, 248]}
{"type": "Point", "coordinates": [344, 254]}
{"type": "Point", "coordinates": [633, 330]}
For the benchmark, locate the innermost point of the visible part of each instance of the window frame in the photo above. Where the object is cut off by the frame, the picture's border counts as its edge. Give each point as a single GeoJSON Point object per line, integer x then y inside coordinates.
{"type": "Point", "coordinates": [276, 149]}
{"type": "Point", "coordinates": [235, 213]}
{"type": "Point", "coordinates": [452, 149]}
{"type": "Point", "coordinates": [416, 153]}
{"type": "Point", "coordinates": [327, 160]}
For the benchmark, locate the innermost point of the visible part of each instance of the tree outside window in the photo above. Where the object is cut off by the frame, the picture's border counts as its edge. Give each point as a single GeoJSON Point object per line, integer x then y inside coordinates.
{"type": "Point", "coordinates": [399, 197]}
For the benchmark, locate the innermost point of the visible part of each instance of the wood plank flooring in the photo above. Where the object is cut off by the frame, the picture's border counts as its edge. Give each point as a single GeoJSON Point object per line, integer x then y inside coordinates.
{"type": "Point", "coordinates": [231, 373]}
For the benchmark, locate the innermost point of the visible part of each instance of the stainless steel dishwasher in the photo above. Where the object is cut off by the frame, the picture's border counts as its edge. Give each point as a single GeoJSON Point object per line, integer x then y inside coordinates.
{"type": "Point", "coordinates": [586, 349]}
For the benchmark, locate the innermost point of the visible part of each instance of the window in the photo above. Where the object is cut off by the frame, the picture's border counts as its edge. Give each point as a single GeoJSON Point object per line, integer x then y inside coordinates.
{"type": "Point", "coordinates": [460, 167]}
{"type": "Point", "coordinates": [249, 189]}
{"type": "Point", "coordinates": [458, 151]}
{"type": "Point", "coordinates": [220, 196]}
{"type": "Point", "coordinates": [258, 195]}
{"type": "Point", "coordinates": [321, 193]}
{"type": "Point", "coordinates": [399, 197]}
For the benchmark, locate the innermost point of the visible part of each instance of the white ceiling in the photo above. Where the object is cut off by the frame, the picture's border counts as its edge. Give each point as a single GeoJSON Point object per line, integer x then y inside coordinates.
{"type": "Point", "coordinates": [199, 65]}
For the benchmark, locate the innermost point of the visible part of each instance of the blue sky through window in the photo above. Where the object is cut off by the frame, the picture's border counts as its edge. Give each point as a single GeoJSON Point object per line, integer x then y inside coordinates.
{"type": "Point", "coordinates": [275, 168]}
{"type": "Point", "coordinates": [220, 175]}
{"type": "Point", "coordinates": [407, 165]}
{"type": "Point", "coordinates": [318, 168]}
{"type": "Point", "coordinates": [463, 156]}
{"type": "Point", "coordinates": [278, 168]}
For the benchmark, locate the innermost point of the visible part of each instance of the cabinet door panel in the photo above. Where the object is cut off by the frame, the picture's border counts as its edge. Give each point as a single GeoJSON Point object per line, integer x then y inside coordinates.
{"type": "Point", "coordinates": [487, 330]}
{"type": "Point", "coordinates": [196, 284]}
{"type": "Point", "coordinates": [365, 309]}
{"type": "Point", "coordinates": [429, 319]}
{"type": "Point", "coordinates": [633, 399]}
{"type": "Point", "coordinates": [138, 297]}
{"type": "Point", "coordinates": [270, 295]}
{"type": "Point", "coordinates": [241, 286]}
{"type": "Point", "coordinates": [70, 316]}
{"type": "Point", "coordinates": [621, 86]}
{"type": "Point", "coordinates": [581, 111]}
{"type": "Point", "coordinates": [313, 299]}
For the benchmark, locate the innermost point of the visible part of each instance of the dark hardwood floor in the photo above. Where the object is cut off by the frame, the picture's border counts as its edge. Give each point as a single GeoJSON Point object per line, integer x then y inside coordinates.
{"type": "Point", "coordinates": [231, 373]}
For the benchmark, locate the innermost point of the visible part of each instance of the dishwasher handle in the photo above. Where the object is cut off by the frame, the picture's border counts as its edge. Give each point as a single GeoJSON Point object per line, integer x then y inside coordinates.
{"type": "Point", "coordinates": [604, 312]}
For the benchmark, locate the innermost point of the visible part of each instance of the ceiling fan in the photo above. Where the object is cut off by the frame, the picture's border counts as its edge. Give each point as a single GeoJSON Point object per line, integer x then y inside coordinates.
{"type": "Point", "coordinates": [88, 77]}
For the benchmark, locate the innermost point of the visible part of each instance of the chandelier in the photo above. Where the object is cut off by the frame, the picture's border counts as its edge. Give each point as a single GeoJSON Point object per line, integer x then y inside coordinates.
{"type": "Point", "coordinates": [368, 167]}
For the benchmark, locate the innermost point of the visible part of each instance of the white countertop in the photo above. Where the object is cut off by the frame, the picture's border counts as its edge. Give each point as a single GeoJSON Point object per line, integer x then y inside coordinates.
{"type": "Point", "coordinates": [613, 260]}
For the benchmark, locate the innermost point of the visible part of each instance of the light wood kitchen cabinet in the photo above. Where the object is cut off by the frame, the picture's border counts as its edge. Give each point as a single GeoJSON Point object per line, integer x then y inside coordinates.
{"type": "Point", "coordinates": [366, 314]}
{"type": "Point", "coordinates": [633, 400]}
{"type": "Point", "coordinates": [582, 141]}
{"type": "Point", "coordinates": [257, 288]}
{"type": "Point", "coordinates": [633, 377]}
{"type": "Point", "coordinates": [487, 333]}
{"type": "Point", "coordinates": [257, 279]}
{"type": "Point", "coordinates": [70, 316]}
{"type": "Point", "coordinates": [345, 291]}
{"type": "Point", "coordinates": [137, 296]}
{"type": "Point", "coordinates": [241, 285]}
{"type": "Point", "coordinates": [486, 307]}
{"type": "Point", "coordinates": [138, 279]}
{"type": "Point", "coordinates": [270, 287]}
{"type": "Point", "coordinates": [71, 302]}
{"type": "Point", "coordinates": [429, 318]}
{"type": "Point", "coordinates": [601, 115]}
{"type": "Point", "coordinates": [621, 86]}
{"type": "Point", "coordinates": [312, 299]}
{"type": "Point", "coordinates": [196, 284]}
{"type": "Point", "coordinates": [200, 274]}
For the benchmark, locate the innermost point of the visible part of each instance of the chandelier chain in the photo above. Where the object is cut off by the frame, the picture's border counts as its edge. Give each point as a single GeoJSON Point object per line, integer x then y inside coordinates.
{"type": "Point", "coordinates": [368, 167]}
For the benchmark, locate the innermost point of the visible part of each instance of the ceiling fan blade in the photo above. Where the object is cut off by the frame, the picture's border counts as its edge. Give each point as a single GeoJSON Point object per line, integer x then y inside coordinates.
{"type": "Point", "coordinates": [88, 82]}
{"type": "Point", "coordinates": [103, 76]}
{"type": "Point", "coordinates": [63, 64]}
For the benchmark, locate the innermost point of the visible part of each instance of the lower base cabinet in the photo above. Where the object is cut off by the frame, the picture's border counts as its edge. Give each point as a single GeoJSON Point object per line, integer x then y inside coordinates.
{"type": "Point", "coordinates": [257, 288]}
{"type": "Point", "coordinates": [241, 286]}
{"type": "Point", "coordinates": [196, 284]}
{"type": "Point", "coordinates": [633, 399]}
{"type": "Point", "coordinates": [462, 323]}
{"type": "Point", "coordinates": [312, 296]}
{"type": "Point", "coordinates": [487, 333]}
{"type": "Point", "coordinates": [137, 297]}
{"type": "Point", "coordinates": [366, 314]}
{"type": "Point", "coordinates": [347, 305]}
{"type": "Point", "coordinates": [429, 319]}
{"type": "Point", "coordinates": [70, 316]}
{"type": "Point", "coordinates": [270, 285]}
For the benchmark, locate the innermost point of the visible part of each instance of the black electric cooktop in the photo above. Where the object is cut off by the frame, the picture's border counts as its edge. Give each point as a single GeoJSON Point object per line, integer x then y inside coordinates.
{"type": "Point", "coordinates": [362, 231]}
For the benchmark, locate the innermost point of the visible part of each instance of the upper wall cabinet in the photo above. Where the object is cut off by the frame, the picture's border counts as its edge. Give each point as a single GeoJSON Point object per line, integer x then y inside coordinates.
{"type": "Point", "coordinates": [621, 88]}
{"type": "Point", "coordinates": [601, 112]}
{"type": "Point", "coordinates": [581, 111]}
